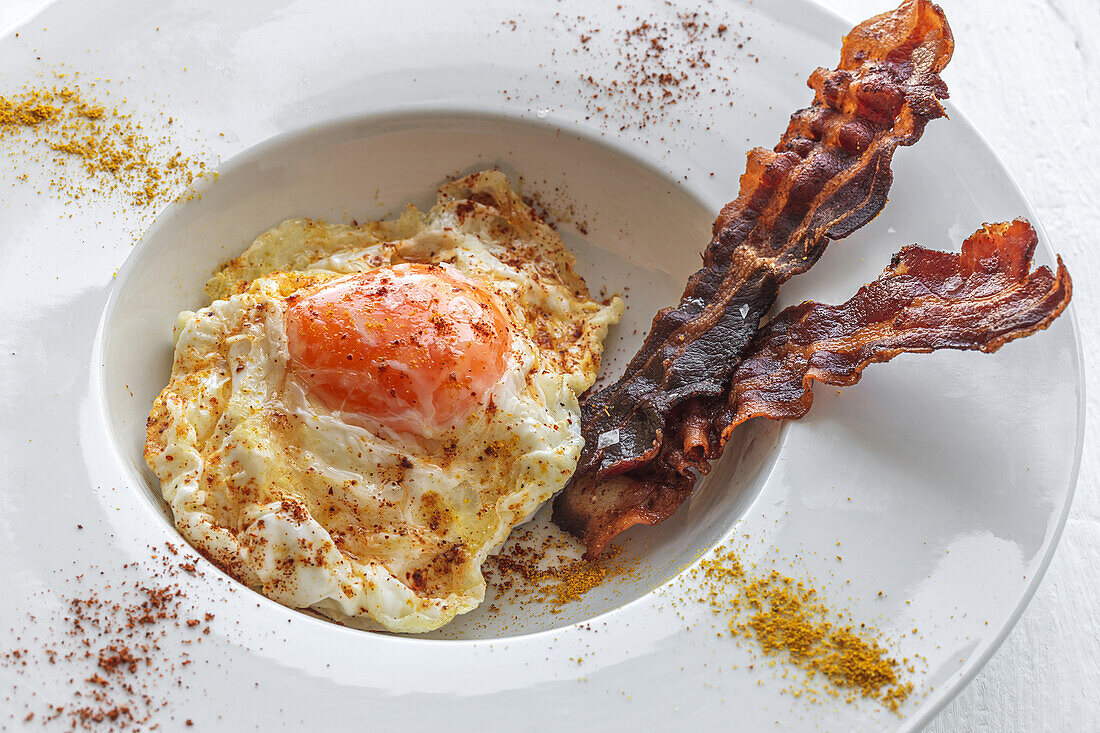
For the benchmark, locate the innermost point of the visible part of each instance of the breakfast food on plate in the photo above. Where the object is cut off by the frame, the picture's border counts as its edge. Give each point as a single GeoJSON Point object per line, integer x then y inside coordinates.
{"type": "Point", "coordinates": [828, 176]}
{"type": "Point", "coordinates": [363, 413]}
{"type": "Point", "coordinates": [925, 300]}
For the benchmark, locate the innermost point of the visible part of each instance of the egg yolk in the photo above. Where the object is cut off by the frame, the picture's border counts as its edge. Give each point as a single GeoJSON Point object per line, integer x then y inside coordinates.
{"type": "Point", "coordinates": [415, 347]}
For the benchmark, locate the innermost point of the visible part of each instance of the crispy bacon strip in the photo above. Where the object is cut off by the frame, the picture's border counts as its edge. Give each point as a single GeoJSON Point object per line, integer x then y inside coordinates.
{"type": "Point", "coordinates": [828, 176]}
{"type": "Point", "coordinates": [926, 300]}
{"type": "Point", "coordinates": [979, 299]}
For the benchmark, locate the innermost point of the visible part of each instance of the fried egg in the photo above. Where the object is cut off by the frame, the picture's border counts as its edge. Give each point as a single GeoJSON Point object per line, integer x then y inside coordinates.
{"type": "Point", "coordinates": [364, 412]}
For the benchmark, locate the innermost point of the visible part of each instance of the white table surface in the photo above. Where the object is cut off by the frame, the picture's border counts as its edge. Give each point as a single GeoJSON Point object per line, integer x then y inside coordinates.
{"type": "Point", "coordinates": [1025, 73]}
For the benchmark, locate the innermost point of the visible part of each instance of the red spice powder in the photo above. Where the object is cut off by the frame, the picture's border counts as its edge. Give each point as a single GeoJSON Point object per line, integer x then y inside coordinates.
{"type": "Point", "coordinates": [641, 69]}
{"type": "Point", "coordinates": [114, 644]}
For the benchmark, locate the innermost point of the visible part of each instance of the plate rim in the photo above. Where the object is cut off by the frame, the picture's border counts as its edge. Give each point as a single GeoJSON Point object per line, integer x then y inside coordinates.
{"type": "Point", "coordinates": [977, 663]}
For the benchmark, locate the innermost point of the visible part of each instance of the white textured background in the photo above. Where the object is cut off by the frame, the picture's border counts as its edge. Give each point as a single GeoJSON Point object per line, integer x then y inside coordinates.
{"type": "Point", "coordinates": [1025, 73]}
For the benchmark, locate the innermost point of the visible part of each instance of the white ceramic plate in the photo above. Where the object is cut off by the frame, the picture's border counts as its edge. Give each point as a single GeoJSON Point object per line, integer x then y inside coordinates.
{"type": "Point", "coordinates": [945, 479]}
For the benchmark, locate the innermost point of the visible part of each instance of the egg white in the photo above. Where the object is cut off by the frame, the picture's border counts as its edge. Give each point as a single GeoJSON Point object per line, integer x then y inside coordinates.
{"type": "Point", "coordinates": [330, 511]}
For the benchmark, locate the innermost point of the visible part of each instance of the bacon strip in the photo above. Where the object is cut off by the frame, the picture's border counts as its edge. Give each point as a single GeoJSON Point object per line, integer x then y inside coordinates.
{"type": "Point", "coordinates": [979, 299]}
{"type": "Point", "coordinates": [926, 300]}
{"type": "Point", "coordinates": [828, 176]}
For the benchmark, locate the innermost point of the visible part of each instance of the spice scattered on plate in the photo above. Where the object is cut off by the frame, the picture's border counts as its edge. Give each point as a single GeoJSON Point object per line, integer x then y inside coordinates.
{"type": "Point", "coordinates": [548, 570]}
{"type": "Point", "coordinates": [819, 649]}
{"type": "Point", "coordinates": [643, 68]}
{"type": "Point", "coordinates": [90, 145]}
{"type": "Point", "coordinates": [554, 207]}
{"type": "Point", "coordinates": [789, 620]}
{"type": "Point", "coordinates": [116, 644]}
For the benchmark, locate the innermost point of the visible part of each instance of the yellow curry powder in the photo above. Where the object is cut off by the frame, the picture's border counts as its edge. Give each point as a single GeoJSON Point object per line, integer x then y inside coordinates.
{"type": "Point", "coordinates": [784, 618]}
{"type": "Point", "coordinates": [572, 581]}
{"type": "Point", "coordinates": [788, 620]}
{"type": "Point", "coordinates": [112, 150]}
{"type": "Point", "coordinates": [547, 573]}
